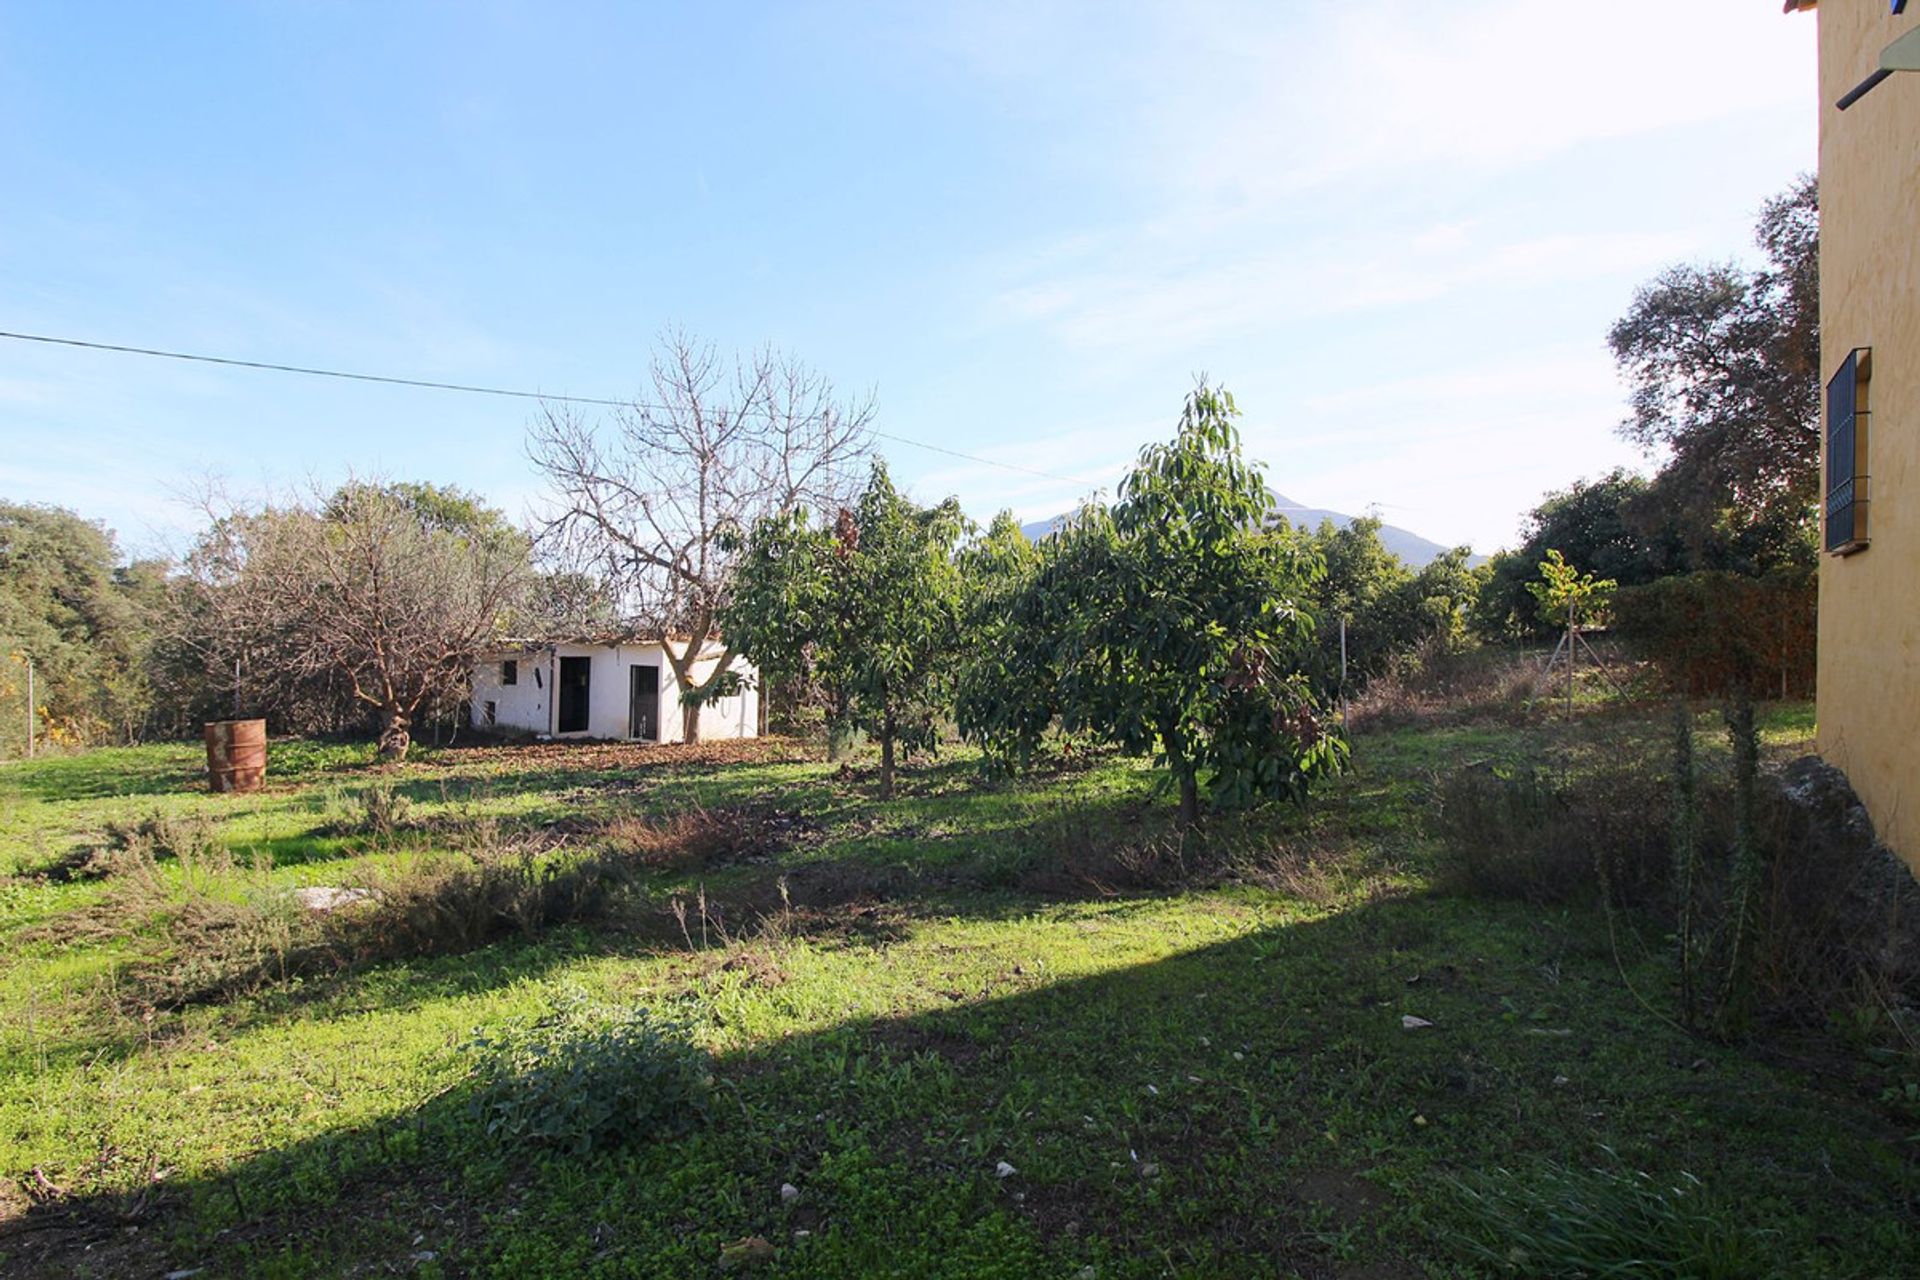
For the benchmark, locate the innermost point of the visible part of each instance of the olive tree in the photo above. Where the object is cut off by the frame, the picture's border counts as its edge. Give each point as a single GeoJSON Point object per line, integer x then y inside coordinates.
{"type": "Point", "coordinates": [656, 496]}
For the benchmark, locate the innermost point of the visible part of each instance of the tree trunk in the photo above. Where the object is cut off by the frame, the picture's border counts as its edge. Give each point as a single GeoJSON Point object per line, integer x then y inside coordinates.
{"type": "Point", "coordinates": [396, 735]}
{"type": "Point", "coordinates": [886, 760]}
{"type": "Point", "coordinates": [1184, 773]}
{"type": "Point", "coordinates": [1189, 798]}
{"type": "Point", "coordinates": [690, 722]}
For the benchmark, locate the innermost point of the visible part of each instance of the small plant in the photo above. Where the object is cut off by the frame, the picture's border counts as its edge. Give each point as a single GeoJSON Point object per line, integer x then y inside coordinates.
{"type": "Point", "coordinates": [1746, 871]}
{"type": "Point", "coordinates": [1686, 851]}
{"type": "Point", "coordinates": [192, 842]}
{"type": "Point", "coordinates": [1557, 1220]}
{"type": "Point", "coordinates": [587, 1076]}
{"type": "Point", "coordinates": [375, 810]}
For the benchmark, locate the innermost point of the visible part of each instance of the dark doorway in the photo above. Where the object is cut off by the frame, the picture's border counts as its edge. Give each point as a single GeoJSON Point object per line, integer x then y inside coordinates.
{"type": "Point", "coordinates": [576, 674]}
{"type": "Point", "coordinates": [643, 712]}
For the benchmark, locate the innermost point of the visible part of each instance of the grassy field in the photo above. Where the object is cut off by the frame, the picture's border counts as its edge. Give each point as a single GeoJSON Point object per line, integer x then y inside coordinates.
{"type": "Point", "coordinates": [983, 1029]}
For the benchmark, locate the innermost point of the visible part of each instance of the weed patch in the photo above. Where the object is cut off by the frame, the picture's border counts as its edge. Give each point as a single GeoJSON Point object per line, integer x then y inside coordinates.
{"type": "Point", "coordinates": [1555, 1220]}
{"type": "Point", "coordinates": [586, 1076]}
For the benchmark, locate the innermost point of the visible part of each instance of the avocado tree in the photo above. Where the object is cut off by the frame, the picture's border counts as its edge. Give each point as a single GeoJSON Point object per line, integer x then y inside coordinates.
{"type": "Point", "coordinates": [1173, 623]}
{"type": "Point", "coordinates": [868, 610]}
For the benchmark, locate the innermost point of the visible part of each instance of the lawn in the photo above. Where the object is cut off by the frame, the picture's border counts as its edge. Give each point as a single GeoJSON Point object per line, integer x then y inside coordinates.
{"type": "Point", "coordinates": [982, 1029]}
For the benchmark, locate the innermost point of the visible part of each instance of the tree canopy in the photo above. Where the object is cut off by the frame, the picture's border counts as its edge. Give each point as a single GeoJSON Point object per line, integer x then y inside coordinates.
{"type": "Point", "coordinates": [1175, 623]}
{"type": "Point", "coordinates": [1724, 366]}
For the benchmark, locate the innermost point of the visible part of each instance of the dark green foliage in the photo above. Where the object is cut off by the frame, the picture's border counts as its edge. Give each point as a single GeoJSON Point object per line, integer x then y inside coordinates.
{"type": "Point", "coordinates": [1714, 633]}
{"type": "Point", "coordinates": [997, 571]}
{"type": "Point", "coordinates": [869, 611]}
{"type": "Point", "coordinates": [1555, 1220]}
{"type": "Point", "coordinates": [586, 1077]}
{"type": "Point", "coordinates": [1175, 623]}
{"type": "Point", "coordinates": [1724, 363]}
{"type": "Point", "coordinates": [1391, 611]}
{"type": "Point", "coordinates": [82, 620]}
{"type": "Point", "coordinates": [1589, 523]}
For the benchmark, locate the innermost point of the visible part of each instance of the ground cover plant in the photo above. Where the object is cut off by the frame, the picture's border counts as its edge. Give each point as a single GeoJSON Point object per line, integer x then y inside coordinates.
{"type": "Point", "coordinates": [1008, 1027]}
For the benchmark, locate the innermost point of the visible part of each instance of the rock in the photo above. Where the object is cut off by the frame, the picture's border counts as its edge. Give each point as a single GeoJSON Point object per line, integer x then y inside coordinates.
{"type": "Point", "coordinates": [788, 1193]}
{"type": "Point", "coordinates": [1839, 873]}
{"type": "Point", "coordinates": [1409, 1022]}
{"type": "Point", "coordinates": [1004, 1170]}
{"type": "Point", "coordinates": [329, 898]}
{"type": "Point", "coordinates": [185, 1273]}
{"type": "Point", "coordinates": [749, 1252]}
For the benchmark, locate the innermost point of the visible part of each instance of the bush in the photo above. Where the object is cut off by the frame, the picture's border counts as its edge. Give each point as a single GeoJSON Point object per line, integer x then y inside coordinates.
{"type": "Point", "coordinates": [1782, 902]}
{"type": "Point", "coordinates": [1527, 834]}
{"type": "Point", "coordinates": [587, 1076]}
{"type": "Point", "coordinates": [1715, 634]}
{"type": "Point", "coordinates": [1556, 1220]}
{"type": "Point", "coordinates": [376, 810]}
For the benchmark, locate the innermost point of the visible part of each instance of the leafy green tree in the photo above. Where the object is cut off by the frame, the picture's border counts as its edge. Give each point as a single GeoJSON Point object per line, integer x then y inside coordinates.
{"type": "Point", "coordinates": [1724, 365]}
{"type": "Point", "coordinates": [66, 605]}
{"type": "Point", "coordinates": [997, 570]}
{"type": "Point", "coordinates": [1390, 610]}
{"type": "Point", "coordinates": [1563, 591]}
{"type": "Point", "coordinates": [1592, 524]}
{"type": "Point", "coordinates": [869, 610]}
{"type": "Point", "coordinates": [1175, 623]}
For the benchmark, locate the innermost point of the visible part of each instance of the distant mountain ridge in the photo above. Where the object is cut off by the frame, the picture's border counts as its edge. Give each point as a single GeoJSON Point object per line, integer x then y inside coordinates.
{"type": "Point", "coordinates": [1416, 551]}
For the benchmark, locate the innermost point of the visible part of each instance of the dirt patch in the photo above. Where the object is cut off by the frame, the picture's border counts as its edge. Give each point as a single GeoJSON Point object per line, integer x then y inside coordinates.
{"type": "Point", "coordinates": [618, 756]}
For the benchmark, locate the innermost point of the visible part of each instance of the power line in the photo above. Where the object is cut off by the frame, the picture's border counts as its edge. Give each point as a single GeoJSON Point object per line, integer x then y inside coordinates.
{"type": "Point", "coordinates": [472, 389]}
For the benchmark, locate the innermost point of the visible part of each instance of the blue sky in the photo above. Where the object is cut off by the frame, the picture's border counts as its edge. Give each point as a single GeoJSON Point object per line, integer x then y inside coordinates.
{"type": "Point", "coordinates": [1398, 232]}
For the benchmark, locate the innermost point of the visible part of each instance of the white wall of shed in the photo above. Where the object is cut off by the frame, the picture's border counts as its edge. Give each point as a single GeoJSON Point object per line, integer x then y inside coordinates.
{"type": "Point", "coordinates": [609, 685]}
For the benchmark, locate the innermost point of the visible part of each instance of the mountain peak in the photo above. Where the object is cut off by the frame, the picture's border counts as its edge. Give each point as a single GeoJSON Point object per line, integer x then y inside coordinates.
{"type": "Point", "coordinates": [1415, 551]}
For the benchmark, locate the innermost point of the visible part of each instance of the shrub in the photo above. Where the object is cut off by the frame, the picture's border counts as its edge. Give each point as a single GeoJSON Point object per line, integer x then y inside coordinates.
{"type": "Point", "coordinates": [1528, 834]}
{"type": "Point", "coordinates": [376, 810]}
{"type": "Point", "coordinates": [1712, 633]}
{"type": "Point", "coordinates": [587, 1076]}
{"type": "Point", "coordinates": [1556, 1220]}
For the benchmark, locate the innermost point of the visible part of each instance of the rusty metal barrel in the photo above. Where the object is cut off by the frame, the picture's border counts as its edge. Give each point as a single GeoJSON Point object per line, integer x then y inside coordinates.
{"type": "Point", "coordinates": [236, 754]}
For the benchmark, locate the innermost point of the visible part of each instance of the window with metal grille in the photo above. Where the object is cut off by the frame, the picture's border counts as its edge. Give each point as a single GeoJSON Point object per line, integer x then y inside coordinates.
{"type": "Point", "coordinates": [1846, 498]}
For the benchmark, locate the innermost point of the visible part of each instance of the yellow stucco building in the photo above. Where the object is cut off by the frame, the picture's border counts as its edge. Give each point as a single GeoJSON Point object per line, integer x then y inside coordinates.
{"type": "Point", "coordinates": [1869, 663]}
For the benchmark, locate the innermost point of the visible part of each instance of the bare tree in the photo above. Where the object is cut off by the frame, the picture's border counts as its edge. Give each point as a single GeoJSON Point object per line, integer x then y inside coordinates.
{"type": "Point", "coordinates": [381, 593]}
{"type": "Point", "coordinates": [658, 495]}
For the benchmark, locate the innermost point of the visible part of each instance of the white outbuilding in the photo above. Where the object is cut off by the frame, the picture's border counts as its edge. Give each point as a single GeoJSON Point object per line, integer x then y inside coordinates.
{"type": "Point", "coordinates": [616, 687]}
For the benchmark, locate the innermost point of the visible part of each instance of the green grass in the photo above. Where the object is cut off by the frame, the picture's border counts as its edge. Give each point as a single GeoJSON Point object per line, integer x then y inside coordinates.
{"type": "Point", "coordinates": [1210, 1080]}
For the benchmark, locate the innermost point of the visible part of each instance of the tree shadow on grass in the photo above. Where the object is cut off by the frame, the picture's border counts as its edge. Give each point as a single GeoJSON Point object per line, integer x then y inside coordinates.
{"type": "Point", "coordinates": [1249, 1107]}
